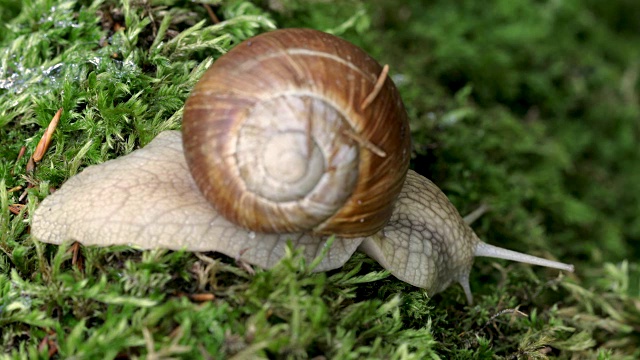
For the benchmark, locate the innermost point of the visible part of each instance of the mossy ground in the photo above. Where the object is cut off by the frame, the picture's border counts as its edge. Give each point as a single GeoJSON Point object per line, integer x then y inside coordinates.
{"type": "Point", "coordinates": [529, 107]}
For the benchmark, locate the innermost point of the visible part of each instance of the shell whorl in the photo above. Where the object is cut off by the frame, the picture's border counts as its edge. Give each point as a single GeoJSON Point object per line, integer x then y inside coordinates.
{"type": "Point", "coordinates": [278, 140]}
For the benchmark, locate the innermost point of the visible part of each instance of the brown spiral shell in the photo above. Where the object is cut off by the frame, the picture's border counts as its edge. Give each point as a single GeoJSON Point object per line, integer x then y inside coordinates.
{"type": "Point", "coordinates": [280, 137]}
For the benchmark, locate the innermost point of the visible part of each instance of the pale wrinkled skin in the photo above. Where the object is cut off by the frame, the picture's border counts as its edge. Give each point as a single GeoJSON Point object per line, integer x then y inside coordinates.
{"type": "Point", "coordinates": [426, 242]}
{"type": "Point", "coordinates": [148, 200]}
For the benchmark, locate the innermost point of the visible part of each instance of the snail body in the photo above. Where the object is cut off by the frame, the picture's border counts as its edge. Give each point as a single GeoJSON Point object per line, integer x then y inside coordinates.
{"type": "Point", "coordinates": [293, 135]}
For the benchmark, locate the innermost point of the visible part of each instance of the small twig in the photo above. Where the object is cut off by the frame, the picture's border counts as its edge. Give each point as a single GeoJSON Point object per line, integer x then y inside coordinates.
{"type": "Point", "coordinates": [15, 188]}
{"type": "Point", "coordinates": [16, 208]}
{"type": "Point", "coordinates": [376, 88]}
{"type": "Point", "coordinates": [199, 297]}
{"type": "Point", "coordinates": [25, 192]}
{"type": "Point", "coordinates": [212, 14]}
{"type": "Point", "coordinates": [473, 336]}
{"type": "Point", "coordinates": [44, 142]}
{"type": "Point", "coordinates": [31, 165]}
{"type": "Point", "coordinates": [77, 259]}
{"type": "Point", "coordinates": [500, 313]}
{"type": "Point", "coordinates": [366, 143]}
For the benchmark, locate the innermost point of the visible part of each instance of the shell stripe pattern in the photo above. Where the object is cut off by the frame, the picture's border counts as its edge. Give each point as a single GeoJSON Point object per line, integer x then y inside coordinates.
{"type": "Point", "coordinates": [280, 104]}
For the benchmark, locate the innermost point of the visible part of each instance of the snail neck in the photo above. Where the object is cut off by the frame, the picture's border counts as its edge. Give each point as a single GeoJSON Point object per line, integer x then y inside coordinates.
{"type": "Point", "coordinates": [486, 250]}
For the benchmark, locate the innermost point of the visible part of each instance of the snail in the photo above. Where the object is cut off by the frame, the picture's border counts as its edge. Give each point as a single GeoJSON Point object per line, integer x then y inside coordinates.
{"type": "Point", "coordinates": [294, 135]}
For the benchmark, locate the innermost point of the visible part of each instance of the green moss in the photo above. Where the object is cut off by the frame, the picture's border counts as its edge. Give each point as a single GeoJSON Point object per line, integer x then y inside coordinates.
{"type": "Point", "coordinates": [528, 107]}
